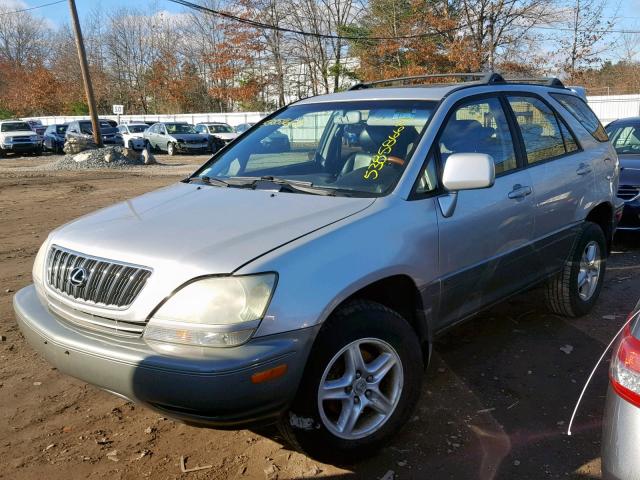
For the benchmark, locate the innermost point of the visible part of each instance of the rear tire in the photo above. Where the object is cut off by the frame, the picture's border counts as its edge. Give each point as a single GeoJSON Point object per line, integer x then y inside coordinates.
{"type": "Point", "coordinates": [574, 291]}
{"type": "Point", "coordinates": [344, 423]}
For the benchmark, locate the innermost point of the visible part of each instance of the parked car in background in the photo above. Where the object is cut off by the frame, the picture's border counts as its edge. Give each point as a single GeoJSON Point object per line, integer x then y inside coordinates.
{"type": "Point", "coordinates": [219, 134]}
{"type": "Point", "coordinates": [54, 137]}
{"type": "Point", "coordinates": [36, 126]}
{"type": "Point", "coordinates": [625, 137]}
{"type": "Point", "coordinates": [17, 136]}
{"type": "Point", "coordinates": [82, 130]}
{"type": "Point", "coordinates": [304, 285]}
{"type": "Point", "coordinates": [621, 422]}
{"type": "Point", "coordinates": [278, 141]}
{"type": "Point", "coordinates": [243, 127]}
{"type": "Point", "coordinates": [133, 135]}
{"type": "Point", "coordinates": [176, 137]}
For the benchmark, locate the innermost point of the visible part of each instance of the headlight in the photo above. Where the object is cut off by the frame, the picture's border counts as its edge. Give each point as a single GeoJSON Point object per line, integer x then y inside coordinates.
{"type": "Point", "coordinates": [38, 264]}
{"type": "Point", "coordinates": [213, 312]}
{"type": "Point", "coordinates": [8, 139]}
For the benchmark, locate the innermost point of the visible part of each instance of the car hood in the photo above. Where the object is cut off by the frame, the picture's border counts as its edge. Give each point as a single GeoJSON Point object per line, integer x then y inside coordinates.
{"type": "Point", "coordinates": [19, 133]}
{"type": "Point", "coordinates": [629, 169]}
{"type": "Point", "coordinates": [226, 135]}
{"type": "Point", "coordinates": [188, 136]}
{"type": "Point", "coordinates": [184, 231]}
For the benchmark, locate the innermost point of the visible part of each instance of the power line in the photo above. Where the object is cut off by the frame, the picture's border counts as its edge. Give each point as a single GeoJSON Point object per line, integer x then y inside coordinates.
{"type": "Point", "coordinates": [32, 8]}
{"type": "Point", "coordinates": [266, 26]}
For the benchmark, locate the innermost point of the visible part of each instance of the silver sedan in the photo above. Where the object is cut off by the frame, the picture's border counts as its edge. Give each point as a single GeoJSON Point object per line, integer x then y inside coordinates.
{"type": "Point", "coordinates": [621, 434]}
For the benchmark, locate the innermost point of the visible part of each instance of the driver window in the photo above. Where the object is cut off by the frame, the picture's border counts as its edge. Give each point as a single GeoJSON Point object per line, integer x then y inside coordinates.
{"type": "Point", "coordinates": [428, 180]}
{"type": "Point", "coordinates": [480, 126]}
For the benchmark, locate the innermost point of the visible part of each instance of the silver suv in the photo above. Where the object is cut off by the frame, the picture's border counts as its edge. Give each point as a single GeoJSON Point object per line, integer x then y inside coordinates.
{"type": "Point", "coordinates": [303, 282]}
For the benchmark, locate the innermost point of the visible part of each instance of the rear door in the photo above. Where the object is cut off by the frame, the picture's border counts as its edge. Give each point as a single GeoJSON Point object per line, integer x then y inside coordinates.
{"type": "Point", "coordinates": [562, 176]}
{"type": "Point", "coordinates": [484, 245]}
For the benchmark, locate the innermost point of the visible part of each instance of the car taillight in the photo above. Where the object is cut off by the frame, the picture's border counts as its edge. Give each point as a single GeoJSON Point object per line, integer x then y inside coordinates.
{"type": "Point", "coordinates": [625, 368]}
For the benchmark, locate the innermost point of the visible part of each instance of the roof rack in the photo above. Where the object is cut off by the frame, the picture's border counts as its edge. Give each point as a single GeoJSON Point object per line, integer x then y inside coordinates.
{"type": "Point", "coordinates": [546, 81]}
{"type": "Point", "coordinates": [482, 78]}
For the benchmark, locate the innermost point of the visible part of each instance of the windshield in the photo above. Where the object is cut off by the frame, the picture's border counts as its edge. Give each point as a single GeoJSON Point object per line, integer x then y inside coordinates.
{"type": "Point", "coordinates": [179, 128]}
{"type": "Point", "coordinates": [137, 128]}
{"type": "Point", "coordinates": [352, 147]}
{"type": "Point", "coordinates": [61, 129]}
{"type": "Point", "coordinates": [220, 129]}
{"type": "Point", "coordinates": [15, 127]}
{"type": "Point", "coordinates": [625, 138]}
{"type": "Point", "coordinates": [104, 127]}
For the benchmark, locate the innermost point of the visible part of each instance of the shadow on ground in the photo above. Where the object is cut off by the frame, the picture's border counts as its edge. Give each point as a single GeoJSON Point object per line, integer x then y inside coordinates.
{"type": "Point", "coordinates": [500, 390]}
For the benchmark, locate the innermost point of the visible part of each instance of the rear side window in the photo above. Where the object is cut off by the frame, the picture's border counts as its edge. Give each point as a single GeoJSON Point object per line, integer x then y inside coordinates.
{"type": "Point", "coordinates": [579, 109]}
{"type": "Point", "coordinates": [543, 135]}
{"type": "Point", "coordinates": [480, 127]}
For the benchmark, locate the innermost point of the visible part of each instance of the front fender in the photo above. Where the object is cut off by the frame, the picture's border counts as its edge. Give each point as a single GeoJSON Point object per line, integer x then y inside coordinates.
{"type": "Point", "coordinates": [321, 270]}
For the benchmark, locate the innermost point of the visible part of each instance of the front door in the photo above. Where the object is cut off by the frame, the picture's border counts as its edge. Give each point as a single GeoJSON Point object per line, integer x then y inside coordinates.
{"type": "Point", "coordinates": [485, 242]}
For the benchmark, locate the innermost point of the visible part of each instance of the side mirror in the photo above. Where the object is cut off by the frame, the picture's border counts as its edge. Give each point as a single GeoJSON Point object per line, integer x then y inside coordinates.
{"type": "Point", "coordinates": [468, 171]}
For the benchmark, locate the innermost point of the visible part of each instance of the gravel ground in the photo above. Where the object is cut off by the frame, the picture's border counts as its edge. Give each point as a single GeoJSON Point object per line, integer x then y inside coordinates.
{"type": "Point", "coordinates": [94, 159]}
{"type": "Point", "coordinates": [495, 402]}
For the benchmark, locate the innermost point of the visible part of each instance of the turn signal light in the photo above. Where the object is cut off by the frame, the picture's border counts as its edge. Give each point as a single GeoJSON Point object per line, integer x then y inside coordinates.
{"type": "Point", "coordinates": [271, 374]}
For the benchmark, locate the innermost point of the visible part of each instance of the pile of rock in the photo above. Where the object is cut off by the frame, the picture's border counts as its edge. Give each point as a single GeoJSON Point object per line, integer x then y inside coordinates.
{"type": "Point", "coordinates": [107, 157]}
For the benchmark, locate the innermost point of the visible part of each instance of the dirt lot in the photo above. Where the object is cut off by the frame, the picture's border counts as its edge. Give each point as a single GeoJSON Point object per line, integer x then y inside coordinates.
{"type": "Point", "coordinates": [495, 403]}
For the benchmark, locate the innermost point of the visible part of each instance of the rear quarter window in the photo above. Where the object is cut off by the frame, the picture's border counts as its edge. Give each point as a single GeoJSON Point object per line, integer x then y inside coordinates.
{"type": "Point", "coordinates": [581, 111]}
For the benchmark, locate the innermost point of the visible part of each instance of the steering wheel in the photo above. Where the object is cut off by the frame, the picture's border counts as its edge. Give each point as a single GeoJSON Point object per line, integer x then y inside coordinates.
{"type": "Point", "coordinates": [395, 160]}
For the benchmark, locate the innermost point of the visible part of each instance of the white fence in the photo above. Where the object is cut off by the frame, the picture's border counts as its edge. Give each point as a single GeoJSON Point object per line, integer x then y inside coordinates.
{"type": "Point", "coordinates": [612, 107]}
{"type": "Point", "coordinates": [607, 108]}
{"type": "Point", "coordinates": [232, 119]}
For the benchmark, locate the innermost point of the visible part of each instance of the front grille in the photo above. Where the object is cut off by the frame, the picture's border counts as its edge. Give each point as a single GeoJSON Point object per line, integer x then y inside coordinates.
{"type": "Point", "coordinates": [107, 283]}
{"type": "Point", "coordinates": [22, 140]}
{"type": "Point", "coordinates": [122, 328]}
{"type": "Point", "coordinates": [628, 192]}
{"type": "Point", "coordinates": [195, 142]}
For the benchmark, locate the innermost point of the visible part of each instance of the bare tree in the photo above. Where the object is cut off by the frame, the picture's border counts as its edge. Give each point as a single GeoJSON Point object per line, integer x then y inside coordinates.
{"type": "Point", "coordinates": [588, 27]}
{"type": "Point", "coordinates": [495, 26]}
{"type": "Point", "coordinates": [22, 37]}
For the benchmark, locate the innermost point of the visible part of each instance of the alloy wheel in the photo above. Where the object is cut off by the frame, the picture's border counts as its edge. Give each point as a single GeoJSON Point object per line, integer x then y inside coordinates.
{"type": "Point", "coordinates": [589, 273]}
{"type": "Point", "coordinates": [360, 388]}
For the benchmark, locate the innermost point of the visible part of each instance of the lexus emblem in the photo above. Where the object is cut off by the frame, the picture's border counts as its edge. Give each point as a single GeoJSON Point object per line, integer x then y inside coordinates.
{"type": "Point", "coordinates": [78, 277]}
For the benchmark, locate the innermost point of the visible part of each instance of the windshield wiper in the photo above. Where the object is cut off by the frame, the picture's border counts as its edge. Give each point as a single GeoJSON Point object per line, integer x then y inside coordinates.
{"type": "Point", "coordinates": [294, 186]}
{"type": "Point", "coordinates": [218, 182]}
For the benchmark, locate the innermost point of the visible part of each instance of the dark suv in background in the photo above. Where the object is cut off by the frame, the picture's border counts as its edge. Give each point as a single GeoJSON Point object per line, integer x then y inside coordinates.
{"type": "Point", "coordinates": [625, 137]}
{"type": "Point", "coordinates": [82, 130]}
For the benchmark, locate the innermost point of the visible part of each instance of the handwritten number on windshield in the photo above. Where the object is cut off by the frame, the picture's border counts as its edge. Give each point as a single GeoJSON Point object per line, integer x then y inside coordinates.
{"type": "Point", "coordinates": [379, 159]}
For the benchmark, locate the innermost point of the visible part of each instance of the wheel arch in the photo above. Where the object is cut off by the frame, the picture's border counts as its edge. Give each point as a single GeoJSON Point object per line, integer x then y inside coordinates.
{"type": "Point", "coordinates": [602, 215]}
{"type": "Point", "coordinates": [399, 293]}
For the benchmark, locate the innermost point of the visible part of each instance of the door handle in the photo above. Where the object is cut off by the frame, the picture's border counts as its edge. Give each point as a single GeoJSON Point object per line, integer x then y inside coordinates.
{"type": "Point", "coordinates": [519, 191]}
{"type": "Point", "coordinates": [583, 169]}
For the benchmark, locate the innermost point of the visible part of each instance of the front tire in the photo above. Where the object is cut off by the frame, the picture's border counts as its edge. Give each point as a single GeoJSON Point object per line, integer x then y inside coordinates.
{"type": "Point", "coordinates": [171, 149]}
{"type": "Point", "coordinates": [359, 387]}
{"type": "Point", "coordinates": [574, 291]}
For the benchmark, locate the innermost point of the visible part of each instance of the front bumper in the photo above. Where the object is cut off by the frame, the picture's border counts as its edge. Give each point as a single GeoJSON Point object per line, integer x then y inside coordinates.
{"type": "Point", "coordinates": [214, 389]}
{"type": "Point", "coordinates": [191, 147]}
{"type": "Point", "coordinates": [620, 439]}
{"type": "Point", "coordinates": [22, 147]}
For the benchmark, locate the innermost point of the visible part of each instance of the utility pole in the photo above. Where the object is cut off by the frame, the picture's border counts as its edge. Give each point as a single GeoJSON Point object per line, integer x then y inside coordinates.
{"type": "Point", "coordinates": [84, 67]}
